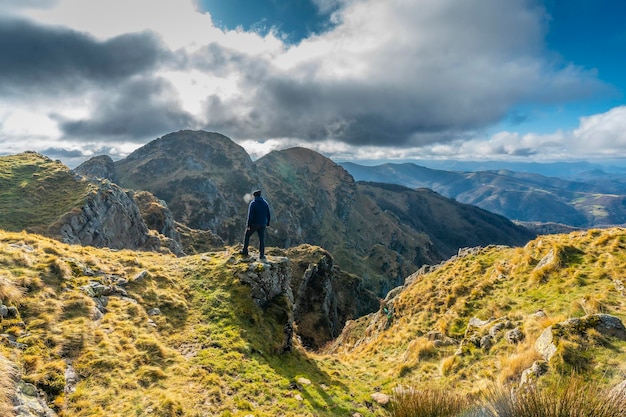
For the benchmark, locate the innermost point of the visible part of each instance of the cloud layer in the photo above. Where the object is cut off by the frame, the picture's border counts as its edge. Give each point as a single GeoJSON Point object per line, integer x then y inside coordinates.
{"type": "Point", "coordinates": [416, 76]}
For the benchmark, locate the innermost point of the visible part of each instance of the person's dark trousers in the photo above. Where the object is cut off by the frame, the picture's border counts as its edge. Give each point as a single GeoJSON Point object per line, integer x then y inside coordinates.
{"type": "Point", "coordinates": [260, 229]}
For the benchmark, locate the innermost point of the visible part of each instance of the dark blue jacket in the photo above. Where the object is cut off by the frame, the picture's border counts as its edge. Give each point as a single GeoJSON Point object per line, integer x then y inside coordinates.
{"type": "Point", "coordinates": [259, 212]}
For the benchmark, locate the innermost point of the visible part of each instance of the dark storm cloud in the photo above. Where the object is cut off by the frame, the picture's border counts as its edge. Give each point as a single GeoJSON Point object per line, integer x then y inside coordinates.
{"type": "Point", "coordinates": [413, 76]}
{"type": "Point", "coordinates": [353, 112]}
{"type": "Point", "coordinates": [44, 58]}
{"type": "Point", "coordinates": [63, 153]}
{"type": "Point", "coordinates": [136, 110]}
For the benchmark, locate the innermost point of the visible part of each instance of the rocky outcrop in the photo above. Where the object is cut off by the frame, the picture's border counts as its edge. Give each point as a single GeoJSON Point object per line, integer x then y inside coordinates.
{"type": "Point", "coordinates": [29, 403]}
{"type": "Point", "coordinates": [268, 280]}
{"type": "Point", "coordinates": [109, 218]}
{"type": "Point", "coordinates": [606, 324]}
{"type": "Point", "coordinates": [325, 296]}
{"type": "Point", "coordinates": [319, 297]}
{"type": "Point", "coordinates": [270, 288]}
{"type": "Point", "coordinates": [159, 218]}
{"type": "Point", "coordinates": [155, 213]}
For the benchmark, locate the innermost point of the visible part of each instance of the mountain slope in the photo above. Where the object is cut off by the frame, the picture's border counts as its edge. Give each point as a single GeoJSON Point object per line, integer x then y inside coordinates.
{"type": "Point", "coordinates": [485, 316]}
{"type": "Point", "coordinates": [316, 201]}
{"type": "Point", "coordinates": [92, 332]}
{"type": "Point", "coordinates": [204, 178]}
{"type": "Point", "coordinates": [44, 196]}
{"type": "Point", "coordinates": [518, 196]}
{"type": "Point", "coordinates": [37, 191]}
{"type": "Point", "coordinates": [450, 225]}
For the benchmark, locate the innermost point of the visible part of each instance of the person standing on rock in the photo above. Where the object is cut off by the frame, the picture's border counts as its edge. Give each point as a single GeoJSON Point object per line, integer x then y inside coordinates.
{"type": "Point", "coordinates": [258, 219]}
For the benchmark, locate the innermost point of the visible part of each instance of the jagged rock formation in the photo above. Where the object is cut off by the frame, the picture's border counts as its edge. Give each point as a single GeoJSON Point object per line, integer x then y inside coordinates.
{"type": "Point", "coordinates": [325, 296]}
{"type": "Point", "coordinates": [109, 218]}
{"type": "Point", "coordinates": [605, 324]}
{"type": "Point", "coordinates": [75, 209]}
{"type": "Point", "coordinates": [270, 284]}
{"type": "Point", "coordinates": [317, 295]}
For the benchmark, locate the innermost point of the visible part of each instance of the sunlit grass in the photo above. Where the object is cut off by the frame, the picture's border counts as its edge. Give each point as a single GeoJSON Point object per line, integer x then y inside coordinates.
{"type": "Point", "coordinates": [212, 351]}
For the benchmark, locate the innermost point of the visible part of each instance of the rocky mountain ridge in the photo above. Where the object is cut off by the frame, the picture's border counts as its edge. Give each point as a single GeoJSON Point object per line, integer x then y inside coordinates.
{"type": "Point", "coordinates": [113, 218]}
{"type": "Point", "coordinates": [205, 179]}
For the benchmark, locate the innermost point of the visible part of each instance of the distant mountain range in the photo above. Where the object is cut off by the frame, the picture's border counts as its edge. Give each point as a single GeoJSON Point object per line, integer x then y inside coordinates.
{"type": "Point", "coordinates": [596, 199]}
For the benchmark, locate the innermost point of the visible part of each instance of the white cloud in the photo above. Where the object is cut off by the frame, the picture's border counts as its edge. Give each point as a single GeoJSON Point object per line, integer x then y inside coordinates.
{"type": "Point", "coordinates": [393, 79]}
{"type": "Point", "coordinates": [603, 134]}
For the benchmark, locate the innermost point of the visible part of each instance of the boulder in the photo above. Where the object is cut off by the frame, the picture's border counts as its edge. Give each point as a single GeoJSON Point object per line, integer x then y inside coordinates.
{"type": "Point", "coordinates": [605, 324]}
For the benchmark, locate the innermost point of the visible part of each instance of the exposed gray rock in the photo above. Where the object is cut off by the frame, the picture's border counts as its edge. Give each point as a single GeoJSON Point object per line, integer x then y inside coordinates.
{"type": "Point", "coordinates": [499, 327]}
{"type": "Point", "coordinates": [159, 218]}
{"type": "Point", "coordinates": [545, 344]}
{"type": "Point", "coordinates": [605, 324]}
{"type": "Point", "coordinates": [71, 379]}
{"type": "Point", "coordinates": [28, 402]}
{"type": "Point", "coordinates": [270, 285]}
{"type": "Point", "coordinates": [380, 398]}
{"type": "Point", "coordinates": [486, 342]}
{"type": "Point", "coordinates": [611, 326]}
{"type": "Point", "coordinates": [539, 314]}
{"type": "Point", "coordinates": [141, 276]}
{"type": "Point", "coordinates": [325, 297]}
{"type": "Point", "coordinates": [109, 218]}
{"type": "Point", "coordinates": [514, 336]}
{"type": "Point", "coordinates": [530, 375]}
{"type": "Point", "coordinates": [154, 311]}
{"type": "Point", "coordinates": [267, 280]}
{"type": "Point", "coordinates": [546, 260]}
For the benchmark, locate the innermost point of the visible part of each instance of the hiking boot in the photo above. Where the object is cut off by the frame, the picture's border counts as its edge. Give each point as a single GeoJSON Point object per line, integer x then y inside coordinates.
{"type": "Point", "coordinates": [244, 253]}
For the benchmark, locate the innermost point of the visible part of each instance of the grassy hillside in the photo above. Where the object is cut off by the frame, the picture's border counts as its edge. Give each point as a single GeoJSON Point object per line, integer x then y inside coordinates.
{"type": "Point", "coordinates": [37, 191]}
{"type": "Point", "coordinates": [210, 350]}
{"type": "Point", "coordinates": [551, 279]}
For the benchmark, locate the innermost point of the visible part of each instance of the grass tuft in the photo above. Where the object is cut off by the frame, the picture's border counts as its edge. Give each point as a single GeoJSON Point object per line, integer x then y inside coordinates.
{"type": "Point", "coordinates": [427, 402]}
{"type": "Point", "coordinates": [571, 397]}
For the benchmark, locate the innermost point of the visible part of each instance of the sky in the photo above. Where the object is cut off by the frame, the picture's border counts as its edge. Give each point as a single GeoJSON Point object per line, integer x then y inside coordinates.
{"type": "Point", "coordinates": [485, 80]}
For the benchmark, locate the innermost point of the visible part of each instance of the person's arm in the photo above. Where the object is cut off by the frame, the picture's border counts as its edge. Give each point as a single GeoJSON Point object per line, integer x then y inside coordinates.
{"type": "Point", "coordinates": [269, 216]}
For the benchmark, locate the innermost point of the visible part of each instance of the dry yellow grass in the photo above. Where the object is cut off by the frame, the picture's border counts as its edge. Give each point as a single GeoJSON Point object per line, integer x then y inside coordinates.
{"type": "Point", "coordinates": [211, 350]}
{"type": "Point", "coordinates": [562, 275]}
